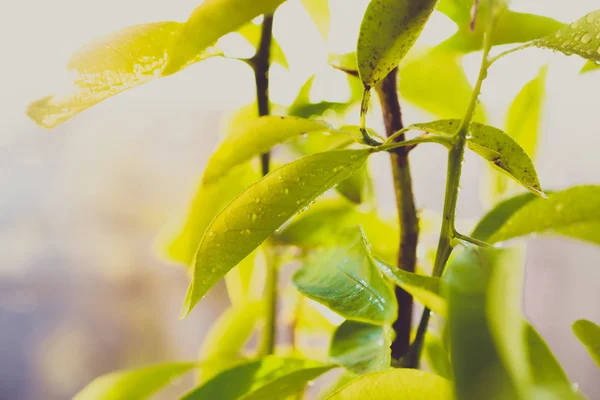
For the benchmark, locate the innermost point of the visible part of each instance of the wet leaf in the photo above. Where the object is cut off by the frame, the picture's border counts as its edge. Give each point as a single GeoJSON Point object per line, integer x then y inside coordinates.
{"type": "Point", "coordinates": [110, 65]}
{"type": "Point", "coordinates": [320, 14]}
{"type": "Point", "coordinates": [270, 378]}
{"type": "Point", "coordinates": [210, 21]}
{"type": "Point", "coordinates": [588, 333]}
{"type": "Point", "coordinates": [253, 138]}
{"type": "Point", "coordinates": [582, 37]}
{"type": "Point", "coordinates": [133, 384]}
{"type": "Point", "coordinates": [396, 384]}
{"type": "Point", "coordinates": [343, 277]}
{"type": "Point", "coordinates": [436, 82]}
{"type": "Point", "coordinates": [496, 147]}
{"type": "Point", "coordinates": [261, 209]}
{"type": "Point", "coordinates": [388, 31]}
{"type": "Point", "coordinates": [361, 348]}
{"type": "Point", "coordinates": [573, 212]}
{"type": "Point", "coordinates": [477, 354]}
{"type": "Point", "coordinates": [426, 289]}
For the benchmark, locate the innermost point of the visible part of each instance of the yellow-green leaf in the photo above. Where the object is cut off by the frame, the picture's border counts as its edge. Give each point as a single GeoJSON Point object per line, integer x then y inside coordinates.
{"type": "Point", "coordinates": [495, 146]}
{"type": "Point", "coordinates": [343, 277]}
{"type": "Point", "coordinates": [361, 348]}
{"type": "Point", "coordinates": [320, 14]}
{"type": "Point", "coordinates": [270, 378]}
{"type": "Point", "coordinates": [589, 334]}
{"type": "Point", "coordinates": [255, 137]}
{"type": "Point", "coordinates": [437, 356]}
{"type": "Point", "coordinates": [110, 65]}
{"type": "Point", "coordinates": [252, 33]}
{"type": "Point", "coordinates": [388, 31]}
{"type": "Point", "coordinates": [133, 384]}
{"type": "Point", "coordinates": [426, 289]}
{"type": "Point", "coordinates": [261, 209]}
{"type": "Point", "coordinates": [208, 22]}
{"type": "Point", "coordinates": [589, 67]}
{"type": "Point", "coordinates": [396, 384]}
{"type": "Point", "coordinates": [582, 37]}
{"type": "Point", "coordinates": [573, 212]}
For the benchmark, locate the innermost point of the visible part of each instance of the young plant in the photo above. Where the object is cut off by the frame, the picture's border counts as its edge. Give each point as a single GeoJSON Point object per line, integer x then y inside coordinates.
{"type": "Point", "coordinates": [244, 227]}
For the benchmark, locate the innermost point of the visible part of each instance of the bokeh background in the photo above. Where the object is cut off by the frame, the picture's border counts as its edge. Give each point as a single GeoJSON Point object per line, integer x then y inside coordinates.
{"type": "Point", "coordinates": [83, 290]}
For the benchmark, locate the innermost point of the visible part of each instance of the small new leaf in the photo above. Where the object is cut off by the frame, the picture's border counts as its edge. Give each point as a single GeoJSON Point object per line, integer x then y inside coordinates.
{"type": "Point", "coordinates": [255, 137]}
{"type": "Point", "coordinates": [270, 378]}
{"type": "Point", "coordinates": [582, 37]}
{"type": "Point", "coordinates": [361, 348]}
{"type": "Point", "coordinates": [261, 209]}
{"type": "Point", "coordinates": [388, 31]}
{"type": "Point", "coordinates": [495, 146]}
{"type": "Point", "coordinates": [589, 334]}
{"type": "Point", "coordinates": [134, 384]}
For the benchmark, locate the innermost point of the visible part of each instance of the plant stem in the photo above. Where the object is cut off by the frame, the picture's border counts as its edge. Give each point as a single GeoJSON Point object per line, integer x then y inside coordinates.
{"type": "Point", "coordinates": [261, 63]}
{"type": "Point", "coordinates": [407, 213]}
{"type": "Point", "coordinates": [453, 175]}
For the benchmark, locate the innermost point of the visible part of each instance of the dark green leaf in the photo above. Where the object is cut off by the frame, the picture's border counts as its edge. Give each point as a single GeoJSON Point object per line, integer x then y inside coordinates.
{"type": "Point", "coordinates": [548, 378]}
{"type": "Point", "coordinates": [426, 289]}
{"type": "Point", "coordinates": [361, 348]}
{"type": "Point", "coordinates": [496, 147]}
{"type": "Point", "coordinates": [436, 82]}
{"type": "Point", "coordinates": [357, 186]}
{"type": "Point", "coordinates": [110, 65]}
{"type": "Point", "coordinates": [271, 378]}
{"type": "Point", "coordinates": [574, 212]}
{"type": "Point", "coordinates": [134, 384]}
{"type": "Point", "coordinates": [582, 37]}
{"type": "Point", "coordinates": [255, 137]}
{"type": "Point", "coordinates": [589, 334]}
{"type": "Point", "coordinates": [477, 360]}
{"type": "Point", "coordinates": [261, 209]}
{"type": "Point", "coordinates": [319, 12]}
{"type": "Point", "coordinates": [208, 22]}
{"type": "Point", "coordinates": [396, 384]}
{"type": "Point", "coordinates": [344, 278]}
{"type": "Point", "coordinates": [388, 31]}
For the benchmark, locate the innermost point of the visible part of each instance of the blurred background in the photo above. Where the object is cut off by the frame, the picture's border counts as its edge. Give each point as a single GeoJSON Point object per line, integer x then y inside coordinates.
{"type": "Point", "coordinates": [83, 289]}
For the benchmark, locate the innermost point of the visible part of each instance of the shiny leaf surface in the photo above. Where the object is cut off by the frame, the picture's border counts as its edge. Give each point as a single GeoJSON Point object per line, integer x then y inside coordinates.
{"type": "Point", "coordinates": [388, 31]}
{"type": "Point", "coordinates": [270, 378]}
{"type": "Point", "coordinates": [343, 277]}
{"type": "Point", "coordinates": [396, 384]}
{"type": "Point", "coordinates": [261, 209]}
{"type": "Point", "coordinates": [361, 348]}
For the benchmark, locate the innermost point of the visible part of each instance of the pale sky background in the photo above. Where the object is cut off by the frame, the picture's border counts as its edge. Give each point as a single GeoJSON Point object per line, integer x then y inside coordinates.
{"type": "Point", "coordinates": [137, 158]}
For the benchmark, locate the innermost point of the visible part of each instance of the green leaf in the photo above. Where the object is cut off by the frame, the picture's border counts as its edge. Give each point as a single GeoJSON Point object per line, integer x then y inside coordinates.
{"type": "Point", "coordinates": [255, 137]}
{"type": "Point", "coordinates": [426, 289]}
{"type": "Point", "coordinates": [344, 278]}
{"type": "Point", "coordinates": [582, 37]}
{"type": "Point", "coordinates": [227, 336]}
{"type": "Point", "coordinates": [321, 225]}
{"type": "Point", "coordinates": [320, 14]}
{"type": "Point", "coordinates": [496, 147]}
{"type": "Point", "coordinates": [133, 384]}
{"type": "Point", "coordinates": [271, 378]}
{"type": "Point", "coordinates": [589, 334]}
{"type": "Point", "coordinates": [252, 33]}
{"type": "Point", "coordinates": [361, 348]}
{"type": "Point", "coordinates": [548, 377]}
{"type": "Point", "coordinates": [208, 22]}
{"type": "Point", "coordinates": [388, 31]}
{"type": "Point", "coordinates": [261, 209]}
{"type": "Point", "coordinates": [476, 353]}
{"type": "Point", "coordinates": [357, 186]}
{"type": "Point", "coordinates": [574, 212]}
{"type": "Point", "coordinates": [208, 201]}
{"type": "Point", "coordinates": [396, 384]}
{"type": "Point", "coordinates": [436, 82]}
{"type": "Point", "coordinates": [437, 357]}
{"type": "Point", "coordinates": [110, 65]}
{"type": "Point", "coordinates": [589, 67]}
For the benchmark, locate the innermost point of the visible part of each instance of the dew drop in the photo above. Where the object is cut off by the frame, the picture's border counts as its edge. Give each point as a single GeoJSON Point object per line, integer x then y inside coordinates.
{"type": "Point", "coordinates": [286, 191]}
{"type": "Point", "coordinates": [215, 269]}
{"type": "Point", "coordinates": [245, 232]}
{"type": "Point", "coordinates": [590, 18]}
{"type": "Point", "coordinates": [253, 217]}
{"type": "Point", "coordinates": [257, 200]}
{"type": "Point", "coordinates": [558, 34]}
{"type": "Point", "coordinates": [585, 39]}
{"type": "Point", "coordinates": [598, 50]}
{"type": "Point", "coordinates": [210, 234]}
{"type": "Point", "coordinates": [205, 281]}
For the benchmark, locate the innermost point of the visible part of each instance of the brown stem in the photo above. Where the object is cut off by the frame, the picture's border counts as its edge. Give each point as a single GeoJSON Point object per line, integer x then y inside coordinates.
{"type": "Point", "coordinates": [407, 213]}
